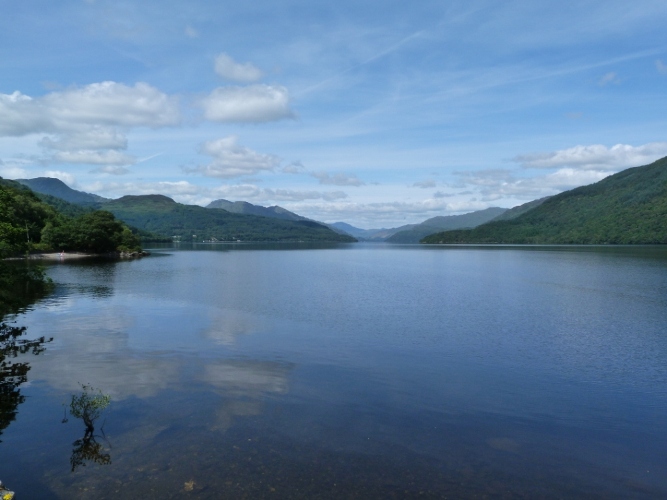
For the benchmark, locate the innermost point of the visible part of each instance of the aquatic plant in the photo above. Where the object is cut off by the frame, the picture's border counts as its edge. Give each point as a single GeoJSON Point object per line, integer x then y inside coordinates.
{"type": "Point", "coordinates": [88, 406]}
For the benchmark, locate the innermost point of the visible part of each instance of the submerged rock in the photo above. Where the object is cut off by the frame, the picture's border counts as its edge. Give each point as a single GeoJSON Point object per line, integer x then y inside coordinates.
{"type": "Point", "coordinates": [5, 494]}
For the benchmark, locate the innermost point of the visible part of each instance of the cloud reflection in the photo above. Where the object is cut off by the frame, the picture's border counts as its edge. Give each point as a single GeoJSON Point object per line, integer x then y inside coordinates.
{"type": "Point", "coordinates": [244, 384]}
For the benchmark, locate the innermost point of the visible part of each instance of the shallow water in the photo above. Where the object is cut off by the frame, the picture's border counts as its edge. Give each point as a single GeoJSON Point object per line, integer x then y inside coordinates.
{"type": "Point", "coordinates": [351, 371]}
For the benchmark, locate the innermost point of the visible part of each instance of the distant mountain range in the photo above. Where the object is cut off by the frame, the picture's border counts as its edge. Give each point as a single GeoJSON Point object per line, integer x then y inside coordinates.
{"type": "Point", "coordinates": [160, 215]}
{"type": "Point", "coordinates": [629, 207]}
{"type": "Point", "coordinates": [135, 211]}
{"type": "Point", "coordinates": [412, 233]}
{"type": "Point", "coordinates": [447, 222]}
{"type": "Point", "coordinates": [243, 207]}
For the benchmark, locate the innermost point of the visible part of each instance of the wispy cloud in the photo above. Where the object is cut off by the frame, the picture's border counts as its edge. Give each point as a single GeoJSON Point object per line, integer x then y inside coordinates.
{"type": "Point", "coordinates": [190, 31]}
{"type": "Point", "coordinates": [427, 184]}
{"type": "Point", "coordinates": [229, 69]}
{"type": "Point", "coordinates": [337, 179]}
{"type": "Point", "coordinates": [661, 67]}
{"type": "Point", "coordinates": [609, 79]}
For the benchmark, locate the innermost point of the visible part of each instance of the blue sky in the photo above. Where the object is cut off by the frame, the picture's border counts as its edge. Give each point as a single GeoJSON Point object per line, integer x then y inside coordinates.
{"type": "Point", "coordinates": [377, 113]}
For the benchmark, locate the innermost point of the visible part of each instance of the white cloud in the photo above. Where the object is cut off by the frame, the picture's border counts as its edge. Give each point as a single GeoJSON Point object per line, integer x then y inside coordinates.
{"type": "Point", "coordinates": [111, 170]}
{"type": "Point", "coordinates": [661, 67]}
{"type": "Point", "coordinates": [494, 185]}
{"type": "Point", "coordinates": [608, 78]}
{"type": "Point", "coordinates": [185, 192]}
{"type": "Point", "coordinates": [115, 104]}
{"type": "Point", "coordinates": [82, 123]}
{"type": "Point", "coordinates": [596, 157]}
{"type": "Point", "coordinates": [91, 138]}
{"type": "Point", "coordinates": [66, 177]}
{"type": "Point", "coordinates": [338, 179]}
{"type": "Point", "coordinates": [233, 160]}
{"type": "Point", "coordinates": [294, 168]}
{"type": "Point", "coordinates": [250, 192]}
{"type": "Point", "coordinates": [427, 184]}
{"type": "Point", "coordinates": [22, 115]}
{"type": "Point", "coordinates": [12, 169]}
{"type": "Point", "coordinates": [229, 69]}
{"type": "Point", "coordinates": [94, 157]}
{"type": "Point", "coordinates": [251, 104]}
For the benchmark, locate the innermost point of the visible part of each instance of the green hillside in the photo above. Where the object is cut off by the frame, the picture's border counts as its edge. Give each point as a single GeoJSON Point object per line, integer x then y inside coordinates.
{"type": "Point", "coordinates": [515, 212]}
{"type": "Point", "coordinates": [29, 224]}
{"type": "Point", "coordinates": [626, 208]}
{"type": "Point", "coordinates": [55, 187]}
{"type": "Point", "coordinates": [446, 223]}
{"type": "Point", "coordinates": [243, 207]}
{"type": "Point", "coordinates": [162, 215]}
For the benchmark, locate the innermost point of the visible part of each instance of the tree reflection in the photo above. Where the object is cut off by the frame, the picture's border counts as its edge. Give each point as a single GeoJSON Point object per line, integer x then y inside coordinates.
{"type": "Point", "coordinates": [86, 450]}
{"type": "Point", "coordinates": [12, 373]}
{"type": "Point", "coordinates": [21, 284]}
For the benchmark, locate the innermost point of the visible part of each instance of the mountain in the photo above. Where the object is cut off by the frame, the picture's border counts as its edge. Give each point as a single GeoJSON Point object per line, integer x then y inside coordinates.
{"type": "Point", "coordinates": [363, 234]}
{"type": "Point", "coordinates": [445, 222]}
{"type": "Point", "coordinates": [513, 213]}
{"type": "Point", "coordinates": [162, 215]}
{"type": "Point", "coordinates": [629, 207]}
{"type": "Point", "coordinates": [243, 207]}
{"type": "Point", "coordinates": [55, 187]}
{"type": "Point", "coordinates": [412, 233]}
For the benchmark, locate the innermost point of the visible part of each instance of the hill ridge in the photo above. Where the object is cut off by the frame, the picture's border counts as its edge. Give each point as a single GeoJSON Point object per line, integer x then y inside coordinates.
{"type": "Point", "coordinates": [629, 207]}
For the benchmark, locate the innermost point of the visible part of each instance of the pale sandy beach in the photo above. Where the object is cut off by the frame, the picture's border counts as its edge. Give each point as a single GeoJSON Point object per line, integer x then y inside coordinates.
{"type": "Point", "coordinates": [60, 256]}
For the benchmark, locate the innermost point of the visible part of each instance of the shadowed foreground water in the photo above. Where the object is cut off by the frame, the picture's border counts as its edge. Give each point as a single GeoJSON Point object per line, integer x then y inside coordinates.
{"type": "Point", "coordinates": [355, 371]}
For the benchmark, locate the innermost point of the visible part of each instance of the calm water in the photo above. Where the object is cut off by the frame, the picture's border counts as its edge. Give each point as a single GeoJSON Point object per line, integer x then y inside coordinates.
{"type": "Point", "coordinates": [359, 371]}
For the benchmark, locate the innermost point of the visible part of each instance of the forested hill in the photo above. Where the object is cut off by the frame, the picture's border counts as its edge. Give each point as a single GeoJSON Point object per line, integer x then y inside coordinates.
{"type": "Point", "coordinates": [629, 207]}
{"type": "Point", "coordinates": [29, 224]}
{"type": "Point", "coordinates": [55, 187]}
{"type": "Point", "coordinates": [162, 215]}
{"type": "Point", "coordinates": [243, 207]}
{"type": "Point", "coordinates": [445, 222]}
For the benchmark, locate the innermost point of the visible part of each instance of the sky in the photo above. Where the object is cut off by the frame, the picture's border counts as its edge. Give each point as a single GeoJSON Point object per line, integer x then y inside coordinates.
{"type": "Point", "coordinates": [375, 113]}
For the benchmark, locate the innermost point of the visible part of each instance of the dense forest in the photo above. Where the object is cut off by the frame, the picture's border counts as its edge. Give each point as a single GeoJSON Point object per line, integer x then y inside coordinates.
{"type": "Point", "coordinates": [27, 224]}
{"type": "Point", "coordinates": [629, 207]}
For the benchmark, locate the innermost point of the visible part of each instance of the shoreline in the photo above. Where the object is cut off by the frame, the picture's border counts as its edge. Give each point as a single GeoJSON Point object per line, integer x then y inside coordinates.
{"type": "Point", "coordinates": [63, 256]}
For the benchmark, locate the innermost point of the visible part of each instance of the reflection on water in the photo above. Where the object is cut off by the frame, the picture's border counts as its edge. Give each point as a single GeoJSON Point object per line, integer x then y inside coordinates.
{"type": "Point", "coordinates": [352, 372]}
{"type": "Point", "coordinates": [21, 284]}
{"type": "Point", "coordinates": [88, 450]}
{"type": "Point", "coordinates": [88, 406]}
{"type": "Point", "coordinates": [14, 373]}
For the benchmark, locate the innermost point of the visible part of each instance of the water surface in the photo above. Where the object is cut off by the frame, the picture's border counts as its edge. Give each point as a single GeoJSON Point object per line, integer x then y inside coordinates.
{"type": "Point", "coordinates": [352, 371]}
